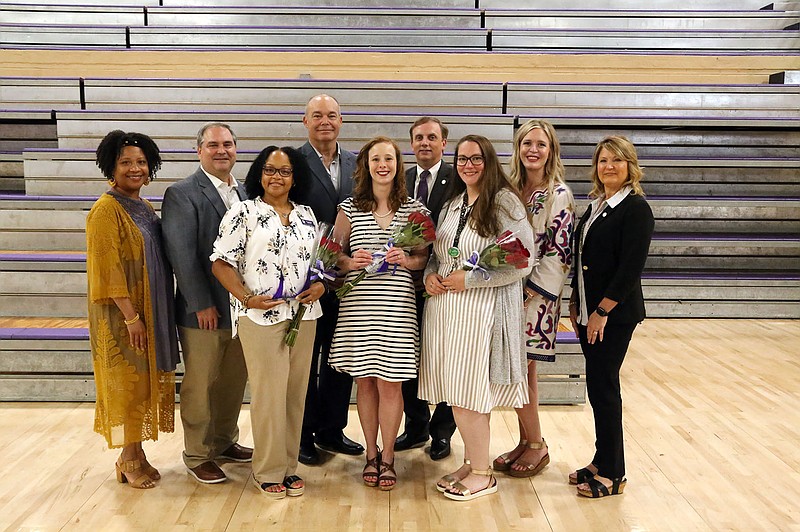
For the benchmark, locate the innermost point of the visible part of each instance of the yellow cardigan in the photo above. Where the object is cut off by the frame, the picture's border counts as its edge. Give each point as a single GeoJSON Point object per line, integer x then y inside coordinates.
{"type": "Point", "coordinates": [134, 399]}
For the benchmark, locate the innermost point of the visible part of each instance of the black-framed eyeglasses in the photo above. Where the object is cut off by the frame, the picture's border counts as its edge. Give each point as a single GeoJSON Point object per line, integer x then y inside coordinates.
{"type": "Point", "coordinates": [271, 170]}
{"type": "Point", "coordinates": [476, 160]}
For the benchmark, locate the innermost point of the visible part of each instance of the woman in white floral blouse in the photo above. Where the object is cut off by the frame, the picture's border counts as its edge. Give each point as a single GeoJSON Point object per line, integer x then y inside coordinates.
{"type": "Point", "coordinates": [538, 173]}
{"type": "Point", "coordinates": [262, 256]}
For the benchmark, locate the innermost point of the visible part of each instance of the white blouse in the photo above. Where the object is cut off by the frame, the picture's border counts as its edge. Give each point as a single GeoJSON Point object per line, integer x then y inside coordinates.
{"type": "Point", "coordinates": [269, 256]}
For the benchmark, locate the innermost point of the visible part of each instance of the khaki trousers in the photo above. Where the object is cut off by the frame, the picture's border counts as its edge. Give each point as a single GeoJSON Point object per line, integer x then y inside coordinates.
{"type": "Point", "coordinates": [278, 381]}
{"type": "Point", "coordinates": [211, 392]}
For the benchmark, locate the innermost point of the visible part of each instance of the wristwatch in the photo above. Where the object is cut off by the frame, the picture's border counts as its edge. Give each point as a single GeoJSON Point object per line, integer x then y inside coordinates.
{"type": "Point", "coordinates": [601, 311]}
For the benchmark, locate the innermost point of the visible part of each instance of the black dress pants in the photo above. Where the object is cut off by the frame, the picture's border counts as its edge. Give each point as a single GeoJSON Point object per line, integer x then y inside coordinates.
{"type": "Point", "coordinates": [419, 421]}
{"type": "Point", "coordinates": [603, 362]}
{"type": "Point", "coordinates": [328, 394]}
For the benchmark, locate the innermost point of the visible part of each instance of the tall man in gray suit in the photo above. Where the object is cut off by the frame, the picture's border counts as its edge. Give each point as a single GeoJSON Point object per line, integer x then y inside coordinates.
{"type": "Point", "coordinates": [427, 181]}
{"type": "Point", "coordinates": [215, 373]}
{"type": "Point", "coordinates": [328, 396]}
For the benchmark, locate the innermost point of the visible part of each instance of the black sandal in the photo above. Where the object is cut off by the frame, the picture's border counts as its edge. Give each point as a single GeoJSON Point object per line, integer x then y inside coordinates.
{"type": "Point", "coordinates": [599, 490]}
{"type": "Point", "coordinates": [293, 492]}
{"type": "Point", "coordinates": [582, 475]}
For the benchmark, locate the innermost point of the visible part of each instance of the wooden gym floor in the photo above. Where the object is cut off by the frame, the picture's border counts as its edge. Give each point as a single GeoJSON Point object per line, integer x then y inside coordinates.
{"type": "Point", "coordinates": [712, 420]}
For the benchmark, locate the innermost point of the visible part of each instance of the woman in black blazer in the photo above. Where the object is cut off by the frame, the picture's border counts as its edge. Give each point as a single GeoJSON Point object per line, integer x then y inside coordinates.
{"type": "Point", "coordinates": [612, 241]}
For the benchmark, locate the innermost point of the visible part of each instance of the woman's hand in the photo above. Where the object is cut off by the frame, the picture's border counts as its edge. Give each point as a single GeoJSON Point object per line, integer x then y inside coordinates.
{"type": "Point", "coordinates": [595, 327]}
{"type": "Point", "coordinates": [361, 258]}
{"type": "Point", "coordinates": [397, 256]}
{"type": "Point", "coordinates": [433, 285]}
{"type": "Point", "coordinates": [456, 281]}
{"type": "Point", "coordinates": [314, 292]}
{"type": "Point", "coordinates": [137, 333]}
{"type": "Point", "coordinates": [264, 302]}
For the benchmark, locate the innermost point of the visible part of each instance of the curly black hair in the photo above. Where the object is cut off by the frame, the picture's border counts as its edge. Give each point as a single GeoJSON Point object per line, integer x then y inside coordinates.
{"type": "Point", "coordinates": [111, 146]}
{"type": "Point", "coordinates": [301, 176]}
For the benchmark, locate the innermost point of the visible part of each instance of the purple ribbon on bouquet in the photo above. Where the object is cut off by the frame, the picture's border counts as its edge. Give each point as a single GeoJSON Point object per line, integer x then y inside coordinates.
{"type": "Point", "coordinates": [471, 264]}
{"type": "Point", "coordinates": [383, 266]}
{"type": "Point", "coordinates": [319, 273]}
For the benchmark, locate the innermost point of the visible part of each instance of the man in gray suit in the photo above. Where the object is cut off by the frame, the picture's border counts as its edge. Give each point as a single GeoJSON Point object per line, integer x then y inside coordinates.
{"type": "Point", "coordinates": [427, 181]}
{"type": "Point", "coordinates": [215, 373]}
{"type": "Point", "coordinates": [328, 396]}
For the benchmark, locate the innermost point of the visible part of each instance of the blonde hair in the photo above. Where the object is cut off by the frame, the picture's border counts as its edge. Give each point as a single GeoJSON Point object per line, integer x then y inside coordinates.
{"type": "Point", "coordinates": [553, 167]}
{"type": "Point", "coordinates": [624, 148]}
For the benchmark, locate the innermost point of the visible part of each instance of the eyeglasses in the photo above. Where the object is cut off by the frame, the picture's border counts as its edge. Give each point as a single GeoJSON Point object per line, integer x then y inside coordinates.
{"type": "Point", "coordinates": [476, 160]}
{"type": "Point", "coordinates": [271, 170]}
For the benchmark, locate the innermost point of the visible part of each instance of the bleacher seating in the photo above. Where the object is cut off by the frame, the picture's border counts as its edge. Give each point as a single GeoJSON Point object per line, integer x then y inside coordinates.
{"type": "Point", "coordinates": [722, 160]}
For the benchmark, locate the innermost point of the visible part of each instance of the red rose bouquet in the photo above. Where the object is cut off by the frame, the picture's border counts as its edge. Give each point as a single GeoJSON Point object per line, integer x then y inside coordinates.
{"type": "Point", "coordinates": [505, 253]}
{"type": "Point", "coordinates": [419, 230]}
{"type": "Point", "coordinates": [326, 251]}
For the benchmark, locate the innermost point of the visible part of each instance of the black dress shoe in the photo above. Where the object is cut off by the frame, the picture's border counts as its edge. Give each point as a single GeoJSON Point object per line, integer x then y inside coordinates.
{"type": "Point", "coordinates": [440, 448]}
{"type": "Point", "coordinates": [339, 444]}
{"type": "Point", "coordinates": [309, 455]}
{"type": "Point", "coordinates": [406, 441]}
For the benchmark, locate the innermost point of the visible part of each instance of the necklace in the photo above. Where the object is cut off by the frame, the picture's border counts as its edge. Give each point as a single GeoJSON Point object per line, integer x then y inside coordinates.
{"type": "Point", "coordinates": [466, 209]}
{"type": "Point", "coordinates": [381, 216]}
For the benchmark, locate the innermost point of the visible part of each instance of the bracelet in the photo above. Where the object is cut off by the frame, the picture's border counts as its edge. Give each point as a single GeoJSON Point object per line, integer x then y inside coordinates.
{"type": "Point", "coordinates": [132, 320]}
{"type": "Point", "coordinates": [573, 304]}
{"type": "Point", "coordinates": [246, 298]}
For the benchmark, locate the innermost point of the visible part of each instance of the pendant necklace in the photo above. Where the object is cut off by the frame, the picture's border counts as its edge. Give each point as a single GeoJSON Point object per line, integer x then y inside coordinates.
{"type": "Point", "coordinates": [466, 209]}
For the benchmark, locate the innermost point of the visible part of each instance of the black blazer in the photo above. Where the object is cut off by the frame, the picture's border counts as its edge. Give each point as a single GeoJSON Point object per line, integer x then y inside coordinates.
{"type": "Point", "coordinates": [438, 192]}
{"type": "Point", "coordinates": [190, 215]}
{"type": "Point", "coordinates": [322, 197]}
{"type": "Point", "coordinates": [612, 258]}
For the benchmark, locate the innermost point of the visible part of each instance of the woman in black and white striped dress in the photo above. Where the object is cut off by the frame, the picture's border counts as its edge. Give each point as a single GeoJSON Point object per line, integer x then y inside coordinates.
{"type": "Point", "coordinates": [376, 339]}
{"type": "Point", "coordinates": [472, 352]}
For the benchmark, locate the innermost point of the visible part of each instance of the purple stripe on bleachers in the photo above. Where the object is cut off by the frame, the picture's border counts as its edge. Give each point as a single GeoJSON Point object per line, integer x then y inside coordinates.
{"type": "Point", "coordinates": [43, 333]}
{"type": "Point", "coordinates": [44, 257]}
{"type": "Point", "coordinates": [733, 237]}
{"type": "Point", "coordinates": [723, 276]}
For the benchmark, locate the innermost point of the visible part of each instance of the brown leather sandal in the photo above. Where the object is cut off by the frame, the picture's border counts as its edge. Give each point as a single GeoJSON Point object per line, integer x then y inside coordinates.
{"type": "Point", "coordinates": [504, 461]}
{"type": "Point", "coordinates": [370, 478]}
{"type": "Point", "coordinates": [530, 469]}
{"type": "Point", "coordinates": [151, 471]}
{"type": "Point", "coordinates": [387, 472]}
{"type": "Point", "coordinates": [125, 470]}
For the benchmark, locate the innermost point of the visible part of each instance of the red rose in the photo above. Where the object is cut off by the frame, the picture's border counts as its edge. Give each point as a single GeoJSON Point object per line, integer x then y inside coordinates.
{"type": "Point", "coordinates": [416, 217]}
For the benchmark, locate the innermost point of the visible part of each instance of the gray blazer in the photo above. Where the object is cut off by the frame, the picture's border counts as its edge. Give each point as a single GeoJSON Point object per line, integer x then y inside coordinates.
{"type": "Point", "coordinates": [437, 194]}
{"type": "Point", "coordinates": [323, 198]}
{"type": "Point", "coordinates": [190, 217]}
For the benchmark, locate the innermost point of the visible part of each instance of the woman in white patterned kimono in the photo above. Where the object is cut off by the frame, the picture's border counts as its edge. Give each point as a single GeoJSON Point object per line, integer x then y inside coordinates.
{"type": "Point", "coordinates": [537, 171]}
{"type": "Point", "coordinates": [472, 352]}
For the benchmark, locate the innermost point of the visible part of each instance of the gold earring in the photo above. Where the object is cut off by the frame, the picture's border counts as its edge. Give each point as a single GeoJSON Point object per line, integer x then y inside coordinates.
{"type": "Point", "coordinates": [112, 181]}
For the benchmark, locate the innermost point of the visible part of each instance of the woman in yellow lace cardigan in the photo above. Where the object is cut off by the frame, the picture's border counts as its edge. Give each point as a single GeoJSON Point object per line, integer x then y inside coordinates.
{"type": "Point", "coordinates": [131, 322]}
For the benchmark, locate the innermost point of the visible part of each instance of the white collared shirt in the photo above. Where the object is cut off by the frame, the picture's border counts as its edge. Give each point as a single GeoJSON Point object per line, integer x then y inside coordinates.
{"type": "Point", "coordinates": [227, 192]}
{"type": "Point", "coordinates": [598, 206]}
{"type": "Point", "coordinates": [334, 170]}
{"type": "Point", "coordinates": [434, 170]}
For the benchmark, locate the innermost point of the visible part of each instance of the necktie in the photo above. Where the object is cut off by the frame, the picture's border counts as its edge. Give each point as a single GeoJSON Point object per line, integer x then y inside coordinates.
{"type": "Point", "coordinates": [422, 188]}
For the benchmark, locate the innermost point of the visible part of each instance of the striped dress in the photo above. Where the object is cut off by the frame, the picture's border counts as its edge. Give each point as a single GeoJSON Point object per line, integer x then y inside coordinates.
{"type": "Point", "coordinates": [376, 332]}
{"type": "Point", "coordinates": [457, 327]}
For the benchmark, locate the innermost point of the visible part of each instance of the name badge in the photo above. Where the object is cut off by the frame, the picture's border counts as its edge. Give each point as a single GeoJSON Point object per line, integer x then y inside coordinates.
{"type": "Point", "coordinates": [307, 222]}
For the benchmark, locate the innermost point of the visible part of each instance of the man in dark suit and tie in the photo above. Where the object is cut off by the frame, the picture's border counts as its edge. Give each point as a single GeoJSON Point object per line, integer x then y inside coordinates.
{"type": "Point", "coordinates": [427, 181]}
{"type": "Point", "coordinates": [215, 373]}
{"type": "Point", "coordinates": [328, 396]}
